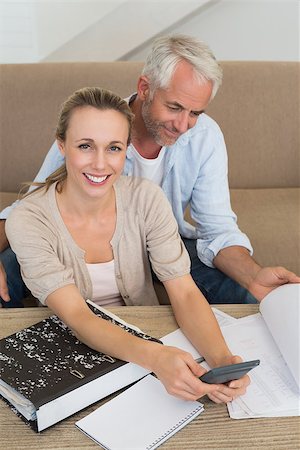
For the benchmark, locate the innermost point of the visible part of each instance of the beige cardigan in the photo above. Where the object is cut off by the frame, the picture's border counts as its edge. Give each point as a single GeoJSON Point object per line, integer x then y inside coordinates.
{"type": "Point", "coordinates": [145, 230]}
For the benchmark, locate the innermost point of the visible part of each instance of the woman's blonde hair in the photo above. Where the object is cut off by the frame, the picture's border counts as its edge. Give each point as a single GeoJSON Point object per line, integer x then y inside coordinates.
{"type": "Point", "coordinates": [96, 97]}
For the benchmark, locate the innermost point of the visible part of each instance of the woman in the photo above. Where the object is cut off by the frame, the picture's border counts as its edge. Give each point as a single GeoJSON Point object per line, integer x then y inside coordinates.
{"type": "Point", "coordinates": [90, 233]}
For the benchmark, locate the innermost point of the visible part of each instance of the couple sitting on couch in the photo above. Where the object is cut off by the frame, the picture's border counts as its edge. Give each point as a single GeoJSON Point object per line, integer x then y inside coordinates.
{"type": "Point", "coordinates": [54, 230]}
{"type": "Point", "coordinates": [186, 155]}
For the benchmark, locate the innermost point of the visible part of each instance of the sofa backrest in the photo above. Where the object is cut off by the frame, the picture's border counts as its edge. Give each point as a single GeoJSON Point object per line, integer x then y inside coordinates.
{"type": "Point", "coordinates": [257, 108]}
{"type": "Point", "coordinates": [258, 111]}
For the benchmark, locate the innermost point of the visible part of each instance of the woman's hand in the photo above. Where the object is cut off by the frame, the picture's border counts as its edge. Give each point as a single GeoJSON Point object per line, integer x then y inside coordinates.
{"type": "Point", "coordinates": [233, 389]}
{"type": "Point", "coordinates": [180, 374]}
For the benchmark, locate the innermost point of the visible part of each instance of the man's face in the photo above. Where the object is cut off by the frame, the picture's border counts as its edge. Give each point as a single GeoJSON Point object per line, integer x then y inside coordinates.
{"type": "Point", "coordinates": [173, 111]}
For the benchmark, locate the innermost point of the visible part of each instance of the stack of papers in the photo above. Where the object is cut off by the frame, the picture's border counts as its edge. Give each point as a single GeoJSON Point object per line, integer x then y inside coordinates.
{"type": "Point", "coordinates": [273, 336]}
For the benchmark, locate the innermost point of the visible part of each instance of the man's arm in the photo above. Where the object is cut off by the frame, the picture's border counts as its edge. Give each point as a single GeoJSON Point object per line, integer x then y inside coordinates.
{"type": "Point", "coordinates": [3, 245]}
{"type": "Point", "coordinates": [220, 242]}
{"type": "Point", "coordinates": [3, 239]}
{"type": "Point", "coordinates": [52, 162]}
{"type": "Point", "coordinates": [210, 208]}
{"type": "Point", "coordinates": [237, 263]}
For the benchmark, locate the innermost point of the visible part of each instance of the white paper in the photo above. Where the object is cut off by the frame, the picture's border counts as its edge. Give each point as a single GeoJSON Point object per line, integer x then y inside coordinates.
{"type": "Point", "coordinates": [281, 312]}
{"type": "Point", "coordinates": [273, 388]}
{"type": "Point", "coordinates": [239, 410]}
{"type": "Point", "coordinates": [273, 391]}
{"type": "Point", "coordinates": [223, 319]}
{"type": "Point", "coordinates": [178, 339]}
{"type": "Point", "coordinates": [141, 418]}
{"type": "Point", "coordinates": [274, 337]}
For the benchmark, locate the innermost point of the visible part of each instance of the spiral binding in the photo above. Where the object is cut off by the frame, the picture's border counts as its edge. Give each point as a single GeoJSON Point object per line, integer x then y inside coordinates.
{"type": "Point", "coordinates": [174, 428]}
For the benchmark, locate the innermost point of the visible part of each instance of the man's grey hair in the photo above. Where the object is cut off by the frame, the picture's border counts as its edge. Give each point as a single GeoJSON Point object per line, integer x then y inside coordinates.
{"type": "Point", "coordinates": [168, 51]}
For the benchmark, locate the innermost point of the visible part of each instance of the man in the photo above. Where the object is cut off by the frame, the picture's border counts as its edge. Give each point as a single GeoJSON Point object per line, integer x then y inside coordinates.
{"type": "Point", "coordinates": [176, 145]}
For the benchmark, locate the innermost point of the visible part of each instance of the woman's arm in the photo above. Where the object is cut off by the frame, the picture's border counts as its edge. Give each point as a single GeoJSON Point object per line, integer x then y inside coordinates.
{"type": "Point", "coordinates": [173, 366]}
{"type": "Point", "coordinates": [198, 323]}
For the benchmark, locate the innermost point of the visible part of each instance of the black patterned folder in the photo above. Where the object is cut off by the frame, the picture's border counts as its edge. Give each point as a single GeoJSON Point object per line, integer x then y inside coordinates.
{"type": "Point", "coordinates": [46, 374]}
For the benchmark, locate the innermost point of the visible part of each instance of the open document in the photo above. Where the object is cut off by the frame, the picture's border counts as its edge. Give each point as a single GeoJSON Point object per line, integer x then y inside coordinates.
{"type": "Point", "coordinates": [273, 336]}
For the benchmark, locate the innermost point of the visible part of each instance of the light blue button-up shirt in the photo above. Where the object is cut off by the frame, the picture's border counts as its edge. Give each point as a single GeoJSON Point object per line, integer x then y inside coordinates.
{"type": "Point", "coordinates": [195, 173]}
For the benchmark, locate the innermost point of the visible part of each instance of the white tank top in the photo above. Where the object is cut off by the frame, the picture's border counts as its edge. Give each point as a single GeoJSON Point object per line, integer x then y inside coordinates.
{"type": "Point", "coordinates": [104, 286]}
{"type": "Point", "coordinates": [152, 169]}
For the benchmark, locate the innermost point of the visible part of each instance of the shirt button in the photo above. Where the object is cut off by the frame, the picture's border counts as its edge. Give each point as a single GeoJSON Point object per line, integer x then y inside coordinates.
{"type": "Point", "coordinates": [118, 275]}
{"type": "Point", "coordinates": [126, 297]}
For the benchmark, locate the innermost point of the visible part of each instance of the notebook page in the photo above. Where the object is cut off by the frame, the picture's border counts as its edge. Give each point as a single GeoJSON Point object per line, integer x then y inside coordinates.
{"type": "Point", "coordinates": [281, 312]}
{"type": "Point", "coordinates": [140, 418]}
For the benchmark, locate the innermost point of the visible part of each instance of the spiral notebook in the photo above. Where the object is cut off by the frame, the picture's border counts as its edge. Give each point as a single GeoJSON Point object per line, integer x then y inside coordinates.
{"type": "Point", "coordinates": [141, 418]}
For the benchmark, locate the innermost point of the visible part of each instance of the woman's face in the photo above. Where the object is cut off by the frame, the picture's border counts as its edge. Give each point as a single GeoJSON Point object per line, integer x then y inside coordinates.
{"type": "Point", "coordinates": [95, 150]}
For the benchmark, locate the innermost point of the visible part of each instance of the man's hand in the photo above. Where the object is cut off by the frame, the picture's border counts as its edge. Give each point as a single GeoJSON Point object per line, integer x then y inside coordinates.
{"type": "Point", "coordinates": [269, 278]}
{"type": "Point", "coordinates": [3, 284]}
{"type": "Point", "coordinates": [237, 263]}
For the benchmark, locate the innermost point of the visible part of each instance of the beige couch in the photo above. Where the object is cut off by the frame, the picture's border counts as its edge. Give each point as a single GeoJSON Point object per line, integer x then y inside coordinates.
{"type": "Point", "coordinates": [257, 109]}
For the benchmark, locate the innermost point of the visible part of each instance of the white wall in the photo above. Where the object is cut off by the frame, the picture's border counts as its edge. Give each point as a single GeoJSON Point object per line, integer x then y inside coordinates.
{"type": "Point", "coordinates": [121, 30]}
{"type": "Point", "coordinates": [81, 30]}
{"type": "Point", "coordinates": [245, 30]}
{"type": "Point", "coordinates": [30, 31]}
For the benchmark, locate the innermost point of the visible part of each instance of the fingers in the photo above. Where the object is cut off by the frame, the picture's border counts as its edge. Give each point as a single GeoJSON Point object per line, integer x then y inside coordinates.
{"type": "Point", "coordinates": [225, 395]}
{"type": "Point", "coordinates": [230, 391]}
{"type": "Point", "coordinates": [292, 278]}
{"type": "Point", "coordinates": [3, 284]}
{"type": "Point", "coordinates": [188, 392]}
{"type": "Point", "coordinates": [195, 368]}
{"type": "Point", "coordinates": [179, 373]}
{"type": "Point", "coordinates": [234, 389]}
{"type": "Point", "coordinates": [286, 275]}
{"type": "Point", "coordinates": [190, 387]}
{"type": "Point", "coordinates": [236, 359]}
{"type": "Point", "coordinates": [218, 397]}
{"type": "Point", "coordinates": [187, 386]}
{"type": "Point", "coordinates": [242, 383]}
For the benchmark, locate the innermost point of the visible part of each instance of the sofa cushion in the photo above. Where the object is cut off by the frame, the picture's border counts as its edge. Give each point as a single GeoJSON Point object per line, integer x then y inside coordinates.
{"type": "Point", "coordinates": [271, 219]}
{"type": "Point", "coordinates": [257, 109]}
